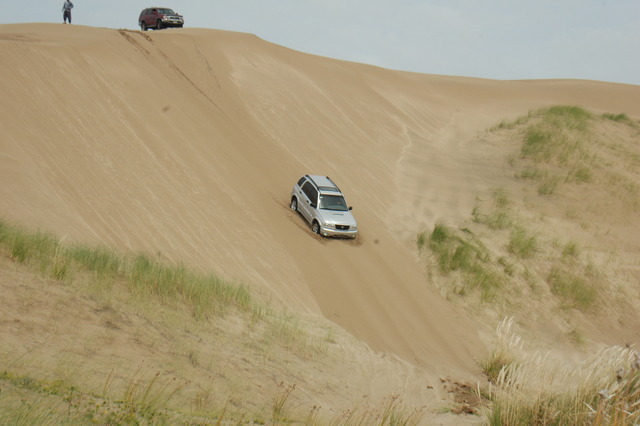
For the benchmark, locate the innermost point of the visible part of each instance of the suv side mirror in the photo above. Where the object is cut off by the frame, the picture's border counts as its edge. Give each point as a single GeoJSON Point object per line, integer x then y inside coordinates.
{"type": "Point", "coordinates": [350, 208]}
{"type": "Point", "coordinates": [313, 205]}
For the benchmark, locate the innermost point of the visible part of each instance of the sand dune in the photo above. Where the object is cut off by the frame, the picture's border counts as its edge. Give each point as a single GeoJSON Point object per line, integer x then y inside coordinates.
{"type": "Point", "coordinates": [186, 144]}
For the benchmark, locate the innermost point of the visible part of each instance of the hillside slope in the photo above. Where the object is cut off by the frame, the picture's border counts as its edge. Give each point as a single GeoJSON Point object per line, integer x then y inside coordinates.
{"type": "Point", "coordinates": [185, 144]}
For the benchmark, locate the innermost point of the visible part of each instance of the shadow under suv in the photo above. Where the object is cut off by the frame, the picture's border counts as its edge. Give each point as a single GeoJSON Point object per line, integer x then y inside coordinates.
{"type": "Point", "coordinates": [159, 18]}
{"type": "Point", "coordinates": [322, 204]}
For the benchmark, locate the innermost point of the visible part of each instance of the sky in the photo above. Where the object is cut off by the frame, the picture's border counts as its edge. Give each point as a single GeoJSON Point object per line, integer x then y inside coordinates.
{"type": "Point", "coordinates": [496, 39]}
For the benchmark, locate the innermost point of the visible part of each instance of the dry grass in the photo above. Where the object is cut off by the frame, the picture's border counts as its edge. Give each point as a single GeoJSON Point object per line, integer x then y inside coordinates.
{"type": "Point", "coordinates": [535, 388]}
{"type": "Point", "coordinates": [190, 348]}
{"type": "Point", "coordinates": [569, 157]}
{"type": "Point", "coordinates": [464, 260]}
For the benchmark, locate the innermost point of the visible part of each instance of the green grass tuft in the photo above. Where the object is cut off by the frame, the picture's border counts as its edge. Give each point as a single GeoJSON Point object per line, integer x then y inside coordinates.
{"type": "Point", "coordinates": [570, 251]}
{"type": "Point", "coordinates": [207, 295]}
{"type": "Point", "coordinates": [580, 174]}
{"type": "Point", "coordinates": [522, 244]}
{"type": "Point", "coordinates": [575, 290]}
{"type": "Point", "coordinates": [555, 147]}
{"type": "Point", "coordinates": [620, 118]}
{"type": "Point", "coordinates": [457, 254]}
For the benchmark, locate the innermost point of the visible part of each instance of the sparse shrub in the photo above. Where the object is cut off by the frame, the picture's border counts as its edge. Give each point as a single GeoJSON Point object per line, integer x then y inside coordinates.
{"type": "Point", "coordinates": [522, 244]}
{"type": "Point", "coordinates": [28, 400]}
{"type": "Point", "coordinates": [556, 136]}
{"type": "Point", "coordinates": [549, 186]}
{"type": "Point", "coordinates": [566, 116]}
{"type": "Point", "coordinates": [603, 389]}
{"type": "Point", "coordinates": [488, 281]}
{"type": "Point", "coordinates": [205, 294]}
{"type": "Point", "coordinates": [31, 246]}
{"type": "Point", "coordinates": [100, 260]}
{"type": "Point", "coordinates": [502, 125]}
{"type": "Point", "coordinates": [390, 411]}
{"type": "Point", "coordinates": [506, 265]}
{"type": "Point", "coordinates": [501, 198]}
{"type": "Point", "coordinates": [576, 337]}
{"type": "Point", "coordinates": [505, 125]}
{"type": "Point", "coordinates": [19, 249]}
{"type": "Point", "coordinates": [440, 242]}
{"type": "Point", "coordinates": [616, 117]}
{"type": "Point", "coordinates": [498, 220]}
{"type": "Point", "coordinates": [580, 175]}
{"type": "Point", "coordinates": [454, 253]}
{"type": "Point", "coordinates": [576, 291]}
{"type": "Point", "coordinates": [462, 257]}
{"type": "Point", "coordinates": [619, 403]}
{"type": "Point", "coordinates": [632, 188]}
{"type": "Point", "coordinates": [61, 268]}
{"type": "Point", "coordinates": [533, 174]}
{"type": "Point", "coordinates": [278, 411]}
{"type": "Point", "coordinates": [570, 250]}
{"type": "Point", "coordinates": [538, 144]}
{"type": "Point", "coordinates": [440, 233]}
{"type": "Point", "coordinates": [503, 352]}
{"type": "Point", "coordinates": [476, 215]}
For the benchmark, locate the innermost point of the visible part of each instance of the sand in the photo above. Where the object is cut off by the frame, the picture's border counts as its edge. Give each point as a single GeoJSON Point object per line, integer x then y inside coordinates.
{"type": "Point", "coordinates": [186, 143]}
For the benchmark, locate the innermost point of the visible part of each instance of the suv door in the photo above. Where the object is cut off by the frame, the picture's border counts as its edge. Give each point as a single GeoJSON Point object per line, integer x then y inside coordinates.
{"type": "Point", "coordinates": [307, 199]}
{"type": "Point", "coordinates": [146, 18]}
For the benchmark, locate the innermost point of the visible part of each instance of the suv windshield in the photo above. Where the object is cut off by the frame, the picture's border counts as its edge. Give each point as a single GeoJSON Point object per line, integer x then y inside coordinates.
{"type": "Point", "coordinates": [166, 11]}
{"type": "Point", "coordinates": [333, 202]}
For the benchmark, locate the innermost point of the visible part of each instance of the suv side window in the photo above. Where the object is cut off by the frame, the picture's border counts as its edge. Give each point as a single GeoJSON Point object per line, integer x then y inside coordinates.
{"type": "Point", "coordinates": [310, 192]}
{"type": "Point", "coordinates": [301, 181]}
{"type": "Point", "coordinates": [314, 195]}
{"type": "Point", "coordinates": [306, 188]}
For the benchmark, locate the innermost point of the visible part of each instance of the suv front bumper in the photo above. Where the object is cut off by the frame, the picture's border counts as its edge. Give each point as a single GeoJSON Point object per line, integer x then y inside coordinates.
{"type": "Point", "coordinates": [172, 22]}
{"type": "Point", "coordinates": [331, 232]}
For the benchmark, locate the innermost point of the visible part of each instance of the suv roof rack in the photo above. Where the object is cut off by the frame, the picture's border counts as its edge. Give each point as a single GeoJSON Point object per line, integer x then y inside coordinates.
{"type": "Point", "coordinates": [318, 185]}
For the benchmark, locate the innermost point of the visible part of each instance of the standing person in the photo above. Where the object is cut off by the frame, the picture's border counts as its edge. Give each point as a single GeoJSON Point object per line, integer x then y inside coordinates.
{"type": "Point", "coordinates": [66, 11]}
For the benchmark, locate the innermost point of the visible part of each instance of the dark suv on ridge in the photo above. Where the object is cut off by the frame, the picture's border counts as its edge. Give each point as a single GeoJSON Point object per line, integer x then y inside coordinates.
{"type": "Point", "coordinates": [159, 18]}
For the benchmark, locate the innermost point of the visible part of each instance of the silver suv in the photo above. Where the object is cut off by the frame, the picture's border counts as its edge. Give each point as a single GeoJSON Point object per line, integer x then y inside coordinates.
{"type": "Point", "coordinates": [322, 204]}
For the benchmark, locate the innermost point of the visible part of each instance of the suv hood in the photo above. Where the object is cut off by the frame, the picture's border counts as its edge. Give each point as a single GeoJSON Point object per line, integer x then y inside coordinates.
{"type": "Point", "coordinates": [337, 217]}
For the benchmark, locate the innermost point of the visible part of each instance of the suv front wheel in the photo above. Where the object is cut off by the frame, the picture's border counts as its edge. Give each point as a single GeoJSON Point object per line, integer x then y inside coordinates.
{"type": "Point", "coordinates": [294, 204]}
{"type": "Point", "coordinates": [159, 25]}
{"type": "Point", "coordinates": [315, 227]}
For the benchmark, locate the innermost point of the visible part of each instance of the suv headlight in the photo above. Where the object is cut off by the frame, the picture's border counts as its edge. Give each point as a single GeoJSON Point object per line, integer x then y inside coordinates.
{"type": "Point", "coordinates": [329, 225]}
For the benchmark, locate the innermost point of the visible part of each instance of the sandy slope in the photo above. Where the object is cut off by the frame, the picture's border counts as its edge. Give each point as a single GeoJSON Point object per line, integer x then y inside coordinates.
{"type": "Point", "coordinates": [186, 144]}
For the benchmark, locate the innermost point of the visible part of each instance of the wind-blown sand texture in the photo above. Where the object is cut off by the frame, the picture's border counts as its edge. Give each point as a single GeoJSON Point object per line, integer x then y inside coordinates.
{"type": "Point", "coordinates": [186, 143]}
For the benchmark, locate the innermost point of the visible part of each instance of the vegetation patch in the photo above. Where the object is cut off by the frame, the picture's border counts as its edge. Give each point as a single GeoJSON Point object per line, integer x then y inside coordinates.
{"type": "Point", "coordinates": [459, 252]}
{"type": "Point", "coordinates": [576, 290]}
{"type": "Point", "coordinates": [556, 136]}
{"type": "Point", "coordinates": [535, 389]}
{"type": "Point", "coordinates": [189, 304]}
{"type": "Point", "coordinates": [566, 145]}
{"type": "Point", "coordinates": [522, 243]}
{"type": "Point", "coordinates": [515, 267]}
{"type": "Point", "coordinates": [206, 295]}
{"type": "Point", "coordinates": [503, 353]}
{"type": "Point", "coordinates": [28, 400]}
{"type": "Point", "coordinates": [620, 118]}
